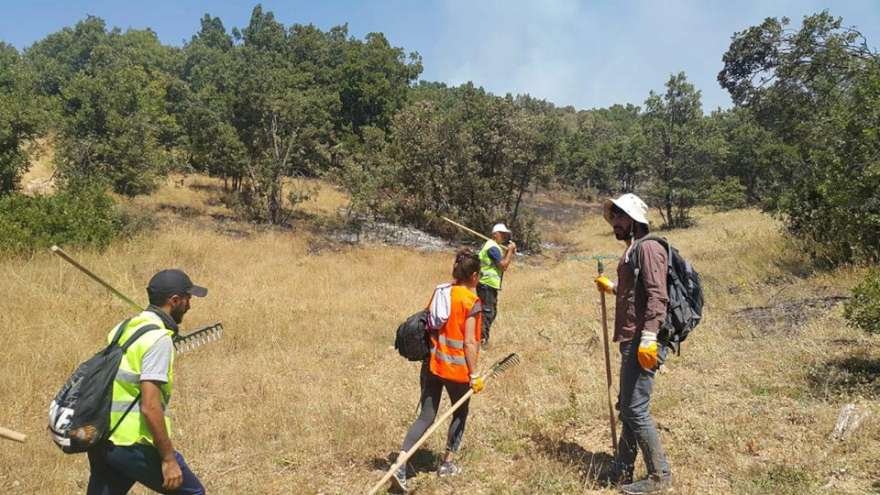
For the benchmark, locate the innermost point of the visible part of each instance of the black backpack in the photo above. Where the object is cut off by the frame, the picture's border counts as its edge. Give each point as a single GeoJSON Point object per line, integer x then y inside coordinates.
{"type": "Point", "coordinates": [685, 309]}
{"type": "Point", "coordinates": [412, 340]}
{"type": "Point", "coordinates": [79, 416]}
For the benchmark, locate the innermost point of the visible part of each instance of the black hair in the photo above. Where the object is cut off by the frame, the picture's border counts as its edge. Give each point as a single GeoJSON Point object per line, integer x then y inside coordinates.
{"type": "Point", "coordinates": [466, 264]}
{"type": "Point", "coordinates": [159, 299]}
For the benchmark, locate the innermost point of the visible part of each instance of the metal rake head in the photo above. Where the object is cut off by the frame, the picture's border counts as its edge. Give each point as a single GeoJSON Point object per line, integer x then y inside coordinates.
{"type": "Point", "coordinates": [501, 366]}
{"type": "Point", "coordinates": [198, 338]}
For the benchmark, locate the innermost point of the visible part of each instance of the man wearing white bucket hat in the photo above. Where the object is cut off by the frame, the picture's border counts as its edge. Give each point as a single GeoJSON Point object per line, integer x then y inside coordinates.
{"type": "Point", "coordinates": [641, 303]}
{"type": "Point", "coordinates": [493, 264]}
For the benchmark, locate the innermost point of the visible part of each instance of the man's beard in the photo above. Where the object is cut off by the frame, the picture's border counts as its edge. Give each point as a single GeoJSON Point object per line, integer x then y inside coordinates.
{"type": "Point", "coordinates": [177, 313]}
{"type": "Point", "coordinates": [620, 235]}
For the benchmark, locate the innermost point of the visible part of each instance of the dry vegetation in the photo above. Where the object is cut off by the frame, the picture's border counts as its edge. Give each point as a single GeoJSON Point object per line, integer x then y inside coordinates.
{"type": "Point", "coordinates": [305, 394]}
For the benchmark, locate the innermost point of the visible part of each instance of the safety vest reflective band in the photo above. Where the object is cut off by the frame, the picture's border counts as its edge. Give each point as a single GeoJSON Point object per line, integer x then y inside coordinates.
{"type": "Point", "coordinates": [447, 350]}
{"type": "Point", "coordinates": [127, 386]}
{"type": "Point", "coordinates": [490, 274]}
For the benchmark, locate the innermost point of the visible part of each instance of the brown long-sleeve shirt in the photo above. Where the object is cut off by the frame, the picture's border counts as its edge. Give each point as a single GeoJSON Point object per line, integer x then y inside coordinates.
{"type": "Point", "coordinates": [641, 306]}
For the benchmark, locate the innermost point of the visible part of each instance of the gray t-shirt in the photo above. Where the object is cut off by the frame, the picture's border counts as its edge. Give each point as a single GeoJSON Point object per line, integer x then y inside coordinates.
{"type": "Point", "coordinates": [157, 361]}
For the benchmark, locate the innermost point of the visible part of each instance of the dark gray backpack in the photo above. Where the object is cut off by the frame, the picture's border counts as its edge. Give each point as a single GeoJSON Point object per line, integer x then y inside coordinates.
{"type": "Point", "coordinates": [412, 340]}
{"type": "Point", "coordinates": [79, 416]}
{"type": "Point", "coordinates": [685, 310]}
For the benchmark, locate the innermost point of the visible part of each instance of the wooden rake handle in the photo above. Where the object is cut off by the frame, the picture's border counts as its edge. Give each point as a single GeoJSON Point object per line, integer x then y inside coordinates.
{"type": "Point", "coordinates": [12, 435]}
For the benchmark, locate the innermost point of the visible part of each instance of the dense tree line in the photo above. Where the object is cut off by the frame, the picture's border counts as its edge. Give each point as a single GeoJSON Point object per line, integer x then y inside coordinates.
{"type": "Point", "coordinates": [256, 105]}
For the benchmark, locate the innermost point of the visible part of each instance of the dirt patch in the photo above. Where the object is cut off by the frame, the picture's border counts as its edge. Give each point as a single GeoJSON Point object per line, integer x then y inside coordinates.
{"type": "Point", "coordinates": [563, 212]}
{"type": "Point", "coordinates": [787, 317]}
{"type": "Point", "coordinates": [846, 377]}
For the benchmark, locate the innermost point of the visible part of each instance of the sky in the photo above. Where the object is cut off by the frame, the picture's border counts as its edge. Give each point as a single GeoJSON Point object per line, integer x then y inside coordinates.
{"type": "Point", "coordinates": [587, 54]}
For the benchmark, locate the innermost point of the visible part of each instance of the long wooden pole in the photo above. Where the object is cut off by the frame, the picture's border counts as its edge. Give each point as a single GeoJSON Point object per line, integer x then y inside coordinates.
{"type": "Point", "coordinates": [12, 435]}
{"type": "Point", "coordinates": [401, 460]}
{"type": "Point", "coordinates": [60, 252]}
{"type": "Point", "coordinates": [472, 231]}
{"type": "Point", "coordinates": [611, 421]}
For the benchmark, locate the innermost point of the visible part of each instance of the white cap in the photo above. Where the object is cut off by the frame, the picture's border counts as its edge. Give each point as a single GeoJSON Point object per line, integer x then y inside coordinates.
{"type": "Point", "coordinates": [500, 227]}
{"type": "Point", "coordinates": [631, 204]}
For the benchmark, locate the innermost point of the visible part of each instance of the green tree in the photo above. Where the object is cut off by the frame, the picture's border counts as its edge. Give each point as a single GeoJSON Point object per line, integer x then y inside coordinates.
{"type": "Point", "coordinates": [817, 89]}
{"type": "Point", "coordinates": [22, 116]}
{"type": "Point", "coordinates": [681, 148]}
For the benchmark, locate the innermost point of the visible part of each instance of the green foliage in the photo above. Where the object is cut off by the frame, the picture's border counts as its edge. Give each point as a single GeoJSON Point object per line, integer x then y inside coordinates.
{"type": "Point", "coordinates": [681, 149]}
{"type": "Point", "coordinates": [817, 90]}
{"type": "Point", "coordinates": [863, 310]}
{"type": "Point", "coordinates": [473, 161]}
{"type": "Point", "coordinates": [22, 116]}
{"type": "Point", "coordinates": [114, 91]}
{"type": "Point", "coordinates": [727, 194]}
{"type": "Point", "coordinates": [85, 217]}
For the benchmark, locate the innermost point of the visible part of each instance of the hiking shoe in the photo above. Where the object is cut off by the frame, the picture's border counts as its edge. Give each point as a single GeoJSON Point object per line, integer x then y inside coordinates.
{"type": "Point", "coordinates": [615, 477]}
{"type": "Point", "coordinates": [448, 468]}
{"type": "Point", "coordinates": [654, 483]}
{"type": "Point", "coordinates": [398, 480]}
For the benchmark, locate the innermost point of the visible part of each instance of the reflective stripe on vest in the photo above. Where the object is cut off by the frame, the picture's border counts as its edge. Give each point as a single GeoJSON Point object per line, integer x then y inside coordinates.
{"type": "Point", "coordinates": [490, 274]}
{"type": "Point", "coordinates": [447, 349]}
{"type": "Point", "coordinates": [126, 387]}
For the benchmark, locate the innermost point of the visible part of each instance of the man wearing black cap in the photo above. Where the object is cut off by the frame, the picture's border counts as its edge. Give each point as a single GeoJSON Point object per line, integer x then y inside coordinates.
{"type": "Point", "coordinates": [139, 447]}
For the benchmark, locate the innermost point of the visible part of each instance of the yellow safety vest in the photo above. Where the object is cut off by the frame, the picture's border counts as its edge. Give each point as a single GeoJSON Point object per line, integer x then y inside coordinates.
{"type": "Point", "coordinates": [490, 274]}
{"type": "Point", "coordinates": [127, 386]}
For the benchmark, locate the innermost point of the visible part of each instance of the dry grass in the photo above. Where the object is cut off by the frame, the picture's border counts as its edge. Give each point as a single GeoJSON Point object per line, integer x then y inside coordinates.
{"type": "Point", "coordinates": [306, 395]}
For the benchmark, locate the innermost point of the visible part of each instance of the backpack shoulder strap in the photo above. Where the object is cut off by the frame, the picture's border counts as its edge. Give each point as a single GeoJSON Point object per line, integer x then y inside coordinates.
{"type": "Point", "coordinates": [636, 251]}
{"type": "Point", "coordinates": [119, 330]}
{"type": "Point", "coordinates": [140, 332]}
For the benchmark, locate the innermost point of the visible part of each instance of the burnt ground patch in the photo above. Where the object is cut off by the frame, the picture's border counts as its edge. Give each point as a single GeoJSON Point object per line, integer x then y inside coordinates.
{"type": "Point", "coordinates": [855, 375]}
{"type": "Point", "coordinates": [789, 316]}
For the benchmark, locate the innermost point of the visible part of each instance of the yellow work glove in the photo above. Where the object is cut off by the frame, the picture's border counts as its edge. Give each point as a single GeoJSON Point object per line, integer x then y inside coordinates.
{"type": "Point", "coordinates": [604, 285]}
{"type": "Point", "coordinates": [477, 383]}
{"type": "Point", "coordinates": [648, 351]}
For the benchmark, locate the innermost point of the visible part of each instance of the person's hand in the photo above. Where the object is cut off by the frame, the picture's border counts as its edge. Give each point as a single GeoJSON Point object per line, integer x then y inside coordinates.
{"type": "Point", "coordinates": [477, 383]}
{"type": "Point", "coordinates": [648, 351]}
{"type": "Point", "coordinates": [604, 284]}
{"type": "Point", "coordinates": [511, 246]}
{"type": "Point", "coordinates": [172, 476]}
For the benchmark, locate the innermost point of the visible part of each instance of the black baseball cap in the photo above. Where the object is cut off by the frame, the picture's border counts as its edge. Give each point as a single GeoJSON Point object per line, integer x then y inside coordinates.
{"type": "Point", "coordinates": [170, 282]}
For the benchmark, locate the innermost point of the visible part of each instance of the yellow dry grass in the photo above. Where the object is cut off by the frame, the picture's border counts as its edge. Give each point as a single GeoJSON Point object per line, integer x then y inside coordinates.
{"type": "Point", "coordinates": [306, 395]}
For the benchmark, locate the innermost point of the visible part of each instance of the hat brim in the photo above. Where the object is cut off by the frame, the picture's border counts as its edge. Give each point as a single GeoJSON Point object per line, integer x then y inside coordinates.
{"type": "Point", "coordinates": [197, 291]}
{"type": "Point", "coordinates": [611, 203]}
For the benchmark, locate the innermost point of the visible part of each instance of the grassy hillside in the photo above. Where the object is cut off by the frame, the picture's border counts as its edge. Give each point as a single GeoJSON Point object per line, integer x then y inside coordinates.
{"type": "Point", "coordinates": [306, 395]}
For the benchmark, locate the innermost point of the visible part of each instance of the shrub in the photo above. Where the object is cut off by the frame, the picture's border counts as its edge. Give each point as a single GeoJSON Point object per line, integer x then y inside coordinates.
{"type": "Point", "coordinates": [727, 194]}
{"type": "Point", "coordinates": [86, 217]}
{"type": "Point", "coordinates": [863, 310]}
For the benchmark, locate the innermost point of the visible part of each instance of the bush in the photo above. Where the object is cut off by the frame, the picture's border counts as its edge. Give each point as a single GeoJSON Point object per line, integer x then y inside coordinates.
{"type": "Point", "coordinates": [728, 194]}
{"type": "Point", "coordinates": [863, 310]}
{"type": "Point", "coordinates": [85, 217]}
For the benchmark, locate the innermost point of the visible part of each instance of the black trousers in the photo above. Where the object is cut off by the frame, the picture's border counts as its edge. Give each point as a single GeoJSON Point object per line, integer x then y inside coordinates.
{"type": "Point", "coordinates": [489, 299]}
{"type": "Point", "coordinates": [432, 389]}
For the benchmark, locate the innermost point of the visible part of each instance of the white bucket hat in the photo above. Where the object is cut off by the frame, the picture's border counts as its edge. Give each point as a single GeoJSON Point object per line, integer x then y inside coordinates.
{"type": "Point", "coordinates": [500, 227]}
{"type": "Point", "coordinates": [631, 204]}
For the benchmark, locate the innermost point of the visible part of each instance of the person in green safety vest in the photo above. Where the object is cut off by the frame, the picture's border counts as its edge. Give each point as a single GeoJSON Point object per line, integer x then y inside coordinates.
{"type": "Point", "coordinates": [139, 448]}
{"type": "Point", "coordinates": [494, 261]}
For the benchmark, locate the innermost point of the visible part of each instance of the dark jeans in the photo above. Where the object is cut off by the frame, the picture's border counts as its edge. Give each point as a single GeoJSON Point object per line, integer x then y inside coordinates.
{"type": "Point", "coordinates": [114, 470]}
{"type": "Point", "coordinates": [432, 389]}
{"type": "Point", "coordinates": [638, 429]}
{"type": "Point", "coordinates": [489, 299]}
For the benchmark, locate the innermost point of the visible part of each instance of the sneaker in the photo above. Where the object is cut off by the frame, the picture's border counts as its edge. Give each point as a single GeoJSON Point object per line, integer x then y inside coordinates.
{"type": "Point", "coordinates": [448, 468]}
{"type": "Point", "coordinates": [398, 480]}
{"type": "Point", "coordinates": [654, 483]}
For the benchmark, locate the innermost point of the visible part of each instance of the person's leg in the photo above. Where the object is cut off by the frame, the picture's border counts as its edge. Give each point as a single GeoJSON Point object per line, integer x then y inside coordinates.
{"type": "Point", "coordinates": [429, 404]}
{"type": "Point", "coordinates": [636, 413]}
{"type": "Point", "coordinates": [489, 300]}
{"type": "Point", "coordinates": [104, 480]}
{"type": "Point", "coordinates": [142, 463]}
{"type": "Point", "coordinates": [459, 418]}
{"type": "Point", "coordinates": [627, 447]}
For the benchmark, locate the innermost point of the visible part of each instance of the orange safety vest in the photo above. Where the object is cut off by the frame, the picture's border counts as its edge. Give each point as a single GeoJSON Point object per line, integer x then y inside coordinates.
{"type": "Point", "coordinates": [447, 345]}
